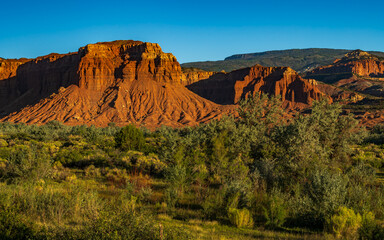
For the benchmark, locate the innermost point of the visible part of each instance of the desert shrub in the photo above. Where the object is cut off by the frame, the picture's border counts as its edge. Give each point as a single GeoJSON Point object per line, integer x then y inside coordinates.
{"type": "Point", "coordinates": [13, 226]}
{"type": "Point", "coordinates": [118, 177]}
{"type": "Point", "coordinates": [69, 157]}
{"type": "Point", "coordinates": [92, 171]}
{"type": "Point", "coordinates": [27, 163]}
{"type": "Point", "coordinates": [368, 226]}
{"type": "Point", "coordinates": [238, 193]}
{"type": "Point", "coordinates": [171, 197]}
{"type": "Point", "coordinates": [214, 204]}
{"type": "Point", "coordinates": [177, 177]}
{"type": "Point", "coordinates": [376, 135]}
{"type": "Point", "coordinates": [3, 167]}
{"type": "Point", "coordinates": [3, 143]}
{"type": "Point", "coordinates": [240, 217]}
{"type": "Point", "coordinates": [117, 225]}
{"type": "Point", "coordinates": [344, 223]}
{"type": "Point", "coordinates": [145, 194]}
{"type": "Point", "coordinates": [78, 156]}
{"type": "Point", "coordinates": [59, 172]}
{"type": "Point", "coordinates": [90, 134]}
{"type": "Point", "coordinates": [275, 211]}
{"type": "Point", "coordinates": [369, 154]}
{"type": "Point", "coordinates": [137, 161]}
{"type": "Point", "coordinates": [130, 138]}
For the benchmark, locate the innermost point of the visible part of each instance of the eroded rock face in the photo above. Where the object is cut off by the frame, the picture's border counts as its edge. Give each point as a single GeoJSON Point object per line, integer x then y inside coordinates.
{"type": "Point", "coordinates": [121, 81]}
{"type": "Point", "coordinates": [128, 60]}
{"type": "Point", "coordinates": [358, 63]}
{"type": "Point", "coordinates": [8, 84]}
{"type": "Point", "coordinates": [338, 94]}
{"type": "Point", "coordinates": [192, 75]}
{"type": "Point", "coordinates": [230, 88]}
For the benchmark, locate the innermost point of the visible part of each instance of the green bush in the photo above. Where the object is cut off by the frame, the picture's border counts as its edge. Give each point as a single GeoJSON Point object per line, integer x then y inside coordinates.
{"type": "Point", "coordinates": [13, 227]}
{"type": "Point", "coordinates": [326, 192]}
{"type": "Point", "coordinates": [3, 143]}
{"type": "Point", "coordinates": [213, 204]}
{"type": "Point", "coordinates": [177, 178]}
{"type": "Point", "coordinates": [27, 162]}
{"type": "Point", "coordinates": [130, 138]}
{"type": "Point", "coordinates": [275, 212]}
{"type": "Point", "coordinates": [138, 161]}
{"type": "Point", "coordinates": [119, 226]}
{"type": "Point", "coordinates": [344, 223]}
{"type": "Point", "coordinates": [241, 218]}
{"type": "Point", "coordinates": [370, 229]}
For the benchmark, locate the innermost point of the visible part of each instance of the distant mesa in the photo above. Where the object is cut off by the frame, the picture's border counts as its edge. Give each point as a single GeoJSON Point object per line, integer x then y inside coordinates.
{"type": "Point", "coordinates": [301, 60]}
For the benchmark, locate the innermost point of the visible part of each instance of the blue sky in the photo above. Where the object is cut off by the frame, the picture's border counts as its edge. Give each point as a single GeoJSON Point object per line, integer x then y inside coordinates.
{"type": "Point", "coordinates": [191, 30]}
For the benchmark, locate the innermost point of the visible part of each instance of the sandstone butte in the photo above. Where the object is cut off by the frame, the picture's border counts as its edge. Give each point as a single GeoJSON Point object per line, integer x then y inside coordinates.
{"type": "Point", "coordinates": [358, 63]}
{"type": "Point", "coordinates": [133, 82]}
{"type": "Point", "coordinates": [230, 88]}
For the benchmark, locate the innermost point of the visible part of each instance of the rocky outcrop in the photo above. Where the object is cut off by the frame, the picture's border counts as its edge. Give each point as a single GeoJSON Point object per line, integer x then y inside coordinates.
{"type": "Point", "coordinates": [230, 88]}
{"type": "Point", "coordinates": [121, 81]}
{"type": "Point", "coordinates": [339, 95]}
{"type": "Point", "coordinates": [358, 63]}
{"type": "Point", "coordinates": [192, 75]}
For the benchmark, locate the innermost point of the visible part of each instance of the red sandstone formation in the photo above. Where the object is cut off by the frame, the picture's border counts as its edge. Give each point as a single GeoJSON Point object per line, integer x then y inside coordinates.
{"type": "Point", "coordinates": [339, 95]}
{"type": "Point", "coordinates": [230, 88]}
{"type": "Point", "coordinates": [122, 82]}
{"type": "Point", "coordinates": [192, 75]}
{"type": "Point", "coordinates": [358, 63]}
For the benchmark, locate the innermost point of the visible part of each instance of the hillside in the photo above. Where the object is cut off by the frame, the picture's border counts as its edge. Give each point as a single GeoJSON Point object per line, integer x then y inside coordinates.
{"type": "Point", "coordinates": [300, 60]}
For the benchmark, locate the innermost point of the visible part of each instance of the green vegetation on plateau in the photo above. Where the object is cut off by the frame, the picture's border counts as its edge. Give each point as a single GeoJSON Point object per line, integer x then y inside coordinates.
{"type": "Point", "coordinates": [298, 59]}
{"type": "Point", "coordinates": [260, 176]}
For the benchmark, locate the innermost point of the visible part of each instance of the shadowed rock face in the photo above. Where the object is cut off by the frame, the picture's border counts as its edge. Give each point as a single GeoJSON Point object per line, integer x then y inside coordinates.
{"type": "Point", "coordinates": [192, 75]}
{"type": "Point", "coordinates": [121, 81]}
{"type": "Point", "coordinates": [230, 88]}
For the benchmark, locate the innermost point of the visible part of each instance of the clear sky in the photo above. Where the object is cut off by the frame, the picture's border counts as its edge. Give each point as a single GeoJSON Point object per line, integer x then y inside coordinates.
{"type": "Point", "coordinates": [191, 30]}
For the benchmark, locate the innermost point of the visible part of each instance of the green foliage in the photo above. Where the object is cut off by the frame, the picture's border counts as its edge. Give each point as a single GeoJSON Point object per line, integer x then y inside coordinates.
{"type": "Point", "coordinates": [3, 143]}
{"type": "Point", "coordinates": [344, 223]}
{"type": "Point", "coordinates": [326, 192]}
{"type": "Point", "coordinates": [94, 183]}
{"type": "Point", "coordinates": [130, 138]}
{"type": "Point", "coordinates": [13, 227]}
{"type": "Point", "coordinates": [178, 181]}
{"type": "Point", "coordinates": [213, 205]}
{"type": "Point", "coordinates": [143, 163]}
{"type": "Point", "coordinates": [27, 162]}
{"type": "Point", "coordinates": [376, 136]}
{"type": "Point", "coordinates": [275, 211]}
{"type": "Point", "coordinates": [241, 218]}
{"type": "Point", "coordinates": [368, 226]}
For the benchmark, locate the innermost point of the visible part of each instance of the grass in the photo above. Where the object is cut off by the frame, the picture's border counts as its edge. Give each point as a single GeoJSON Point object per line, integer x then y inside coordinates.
{"type": "Point", "coordinates": [68, 204]}
{"type": "Point", "coordinates": [209, 230]}
{"type": "Point", "coordinates": [380, 176]}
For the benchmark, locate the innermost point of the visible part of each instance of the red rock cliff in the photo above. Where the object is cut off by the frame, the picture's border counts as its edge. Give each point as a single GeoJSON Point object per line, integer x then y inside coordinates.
{"type": "Point", "coordinates": [121, 81]}
{"type": "Point", "coordinates": [229, 88]}
{"type": "Point", "coordinates": [357, 62]}
{"type": "Point", "coordinates": [192, 75]}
